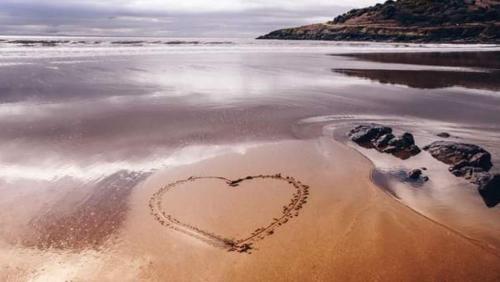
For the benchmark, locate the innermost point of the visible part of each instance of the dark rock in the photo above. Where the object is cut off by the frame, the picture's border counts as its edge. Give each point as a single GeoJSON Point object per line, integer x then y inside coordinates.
{"type": "Point", "coordinates": [460, 155]}
{"type": "Point", "coordinates": [367, 133]}
{"type": "Point", "coordinates": [414, 150]}
{"type": "Point", "coordinates": [414, 174]}
{"type": "Point", "coordinates": [472, 163]}
{"type": "Point", "coordinates": [381, 138]}
{"type": "Point", "coordinates": [402, 147]}
{"type": "Point", "coordinates": [407, 139]}
{"type": "Point", "coordinates": [459, 165]}
{"type": "Point", "coordinates": [443, 135]}
{"type": "Point", "coordinates": [482, 160]}
{"type": "Point", "coordinates": [467, 170]}
{"type": "Point", "coordinates": [383, 141]}
{"type": "Point", "coordinates": [490, 191]}
{"type": "Point", "coordinates": [390, 150]}
{"type": "Point", "coordinates": [404, 141]}
{"type": "Point", "coordinates": [478, 178]}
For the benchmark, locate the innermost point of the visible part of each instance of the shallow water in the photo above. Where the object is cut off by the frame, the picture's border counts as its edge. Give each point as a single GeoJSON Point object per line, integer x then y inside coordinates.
{"type": "Point", "coordinates": [78, 116]}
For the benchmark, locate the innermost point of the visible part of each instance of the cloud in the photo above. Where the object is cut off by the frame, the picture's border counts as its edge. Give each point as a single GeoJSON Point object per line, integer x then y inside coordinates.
{"type": "Point", "coordinates": [221, 18]}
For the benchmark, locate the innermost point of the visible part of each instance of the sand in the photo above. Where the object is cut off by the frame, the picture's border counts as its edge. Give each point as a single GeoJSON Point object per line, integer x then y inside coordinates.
{"type": "Point", "coordinates": [349, 229]}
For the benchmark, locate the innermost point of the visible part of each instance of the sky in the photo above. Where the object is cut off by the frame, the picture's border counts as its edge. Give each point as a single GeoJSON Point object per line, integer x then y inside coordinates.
{"type": "Point", "coordinates": [171, 18]}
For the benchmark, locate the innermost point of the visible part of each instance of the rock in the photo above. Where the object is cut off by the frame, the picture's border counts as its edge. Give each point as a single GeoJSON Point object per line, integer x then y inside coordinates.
{"type": "Point", "coordinates": [383, 141]}
{"type": "Point", "coordinates": [381, 138]}
{"type": "Point", "coordinates": [390, 150]}
{"type": "Point", "coordinates": [363, 134]}
{"type": "Point", "coordinates": [414, 150]}
{"type": "Point", "coordinates": [482, 160]}
{"type": "Point", "coordinates": [405, 140]}
{"type": "Point", "coordinates": [458, 166]}
{"type": "Point", "coordinates": [460, 155]}
{"type": "Point", "coordinates": [490, 191]}
{"type": "Point", "coordinates": [402, 147]}
{"type": "Point", "coordinates": [443, 135]}
{"type": "Point", "coordinates": [472, 163]}
{"type": "Point", "coordinates": [414, 174]}
{"type": "Point", "coordinates": [478, 178]}
{"type": "Point", "coordinates": [464, 171]}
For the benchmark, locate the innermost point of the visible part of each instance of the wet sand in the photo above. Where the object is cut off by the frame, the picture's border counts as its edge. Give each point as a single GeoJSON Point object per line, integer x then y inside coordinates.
{"type": "Point", "coordinates": [348, 229]}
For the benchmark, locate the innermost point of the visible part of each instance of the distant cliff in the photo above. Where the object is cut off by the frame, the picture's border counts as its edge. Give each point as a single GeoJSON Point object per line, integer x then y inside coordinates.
{"type": "Point", "coordinates": [454, 21]}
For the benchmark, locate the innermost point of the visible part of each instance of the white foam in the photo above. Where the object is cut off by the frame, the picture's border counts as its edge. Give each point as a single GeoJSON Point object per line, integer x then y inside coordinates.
{"type": "Point", "coordinates": [73, 48]}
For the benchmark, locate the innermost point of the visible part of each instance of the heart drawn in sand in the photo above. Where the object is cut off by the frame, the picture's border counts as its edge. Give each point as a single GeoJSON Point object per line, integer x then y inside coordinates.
{"type": "Point", "coordinates": [242, 245]}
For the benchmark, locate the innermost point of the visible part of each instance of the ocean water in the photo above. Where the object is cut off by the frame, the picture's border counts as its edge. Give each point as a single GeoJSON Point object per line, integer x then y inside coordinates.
{"type": "Point", "coordinates": [77, 112]}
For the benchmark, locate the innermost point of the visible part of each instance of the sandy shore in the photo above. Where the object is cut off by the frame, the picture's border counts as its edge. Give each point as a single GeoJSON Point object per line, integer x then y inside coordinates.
{"type": "Point", "coordinates": [347, 230]}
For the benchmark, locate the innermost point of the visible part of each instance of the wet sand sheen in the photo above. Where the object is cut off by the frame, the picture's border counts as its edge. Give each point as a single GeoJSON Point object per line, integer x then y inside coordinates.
{"type": "Point", "coordinates": [349, 230]}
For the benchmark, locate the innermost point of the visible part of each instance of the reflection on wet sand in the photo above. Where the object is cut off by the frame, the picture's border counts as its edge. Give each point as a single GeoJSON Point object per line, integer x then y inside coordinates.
{"type": "Point", "coordinates": [79, 223]}
{"type": "Point", "coordinates": [428, 79]}
{"type": "Point", "coordinates": [480, 69]}
{"type": "Point", "coordinates": [487, 59]}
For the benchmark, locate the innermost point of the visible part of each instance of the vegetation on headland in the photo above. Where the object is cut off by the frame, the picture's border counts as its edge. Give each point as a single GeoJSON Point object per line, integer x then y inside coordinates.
{"type": "Point", "coordinates": [468, 21]}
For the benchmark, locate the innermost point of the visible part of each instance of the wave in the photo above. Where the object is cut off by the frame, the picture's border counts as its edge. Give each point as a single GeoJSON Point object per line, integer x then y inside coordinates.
{"type": "Point", "coordinates": [66, 43]}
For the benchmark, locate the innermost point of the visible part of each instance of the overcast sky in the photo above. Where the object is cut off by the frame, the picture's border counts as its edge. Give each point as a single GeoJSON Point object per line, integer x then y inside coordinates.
{"type": "Point", "coordinates": [185, 18]}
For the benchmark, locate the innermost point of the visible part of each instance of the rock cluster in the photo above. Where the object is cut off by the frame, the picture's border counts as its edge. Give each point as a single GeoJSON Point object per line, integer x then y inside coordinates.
{"type": "Point", "coordinates": [464, 159]}
{"type": "Point", "coordinates": [383, 140]}
{"type": "Point", "coordinates": [471, 162]}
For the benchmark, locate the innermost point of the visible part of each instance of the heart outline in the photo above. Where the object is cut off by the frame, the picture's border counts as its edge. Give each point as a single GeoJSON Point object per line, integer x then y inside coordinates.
{"type": "Point", "coordinates": [244, 245]}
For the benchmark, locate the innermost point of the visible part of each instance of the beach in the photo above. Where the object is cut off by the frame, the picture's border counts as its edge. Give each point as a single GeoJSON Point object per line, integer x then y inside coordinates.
{"type": "Point", "coordinates": [231, 162]}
